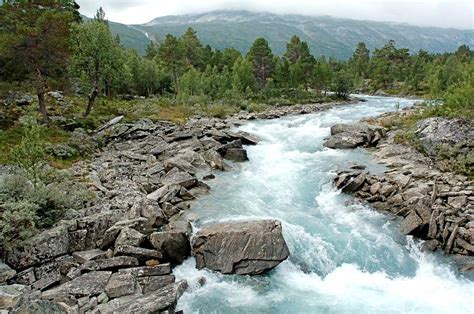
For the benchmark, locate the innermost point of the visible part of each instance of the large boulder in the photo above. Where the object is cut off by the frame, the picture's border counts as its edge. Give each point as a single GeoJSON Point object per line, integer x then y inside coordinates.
{"type": "Point", "coordinates": [244, 248]}
{"type": "Point", "coordinates": [344, 136]}
{"type": "Point", "coordinates": [174, 245]}
{"type": "Point", "coordinates": [41, 248]}
{"type": "Point", "coordinates": [435, 134]}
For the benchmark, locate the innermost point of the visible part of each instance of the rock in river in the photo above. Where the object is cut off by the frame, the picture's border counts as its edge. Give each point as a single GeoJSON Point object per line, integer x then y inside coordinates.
{"type": "Point", "coordinates": [243, 248]}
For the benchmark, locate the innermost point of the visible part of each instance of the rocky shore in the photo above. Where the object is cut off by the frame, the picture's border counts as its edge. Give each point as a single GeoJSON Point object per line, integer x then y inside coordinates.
{"type": "Point", "coordinates": [434, 205]}
{"type": "Point", "coordinates": [118, 254]}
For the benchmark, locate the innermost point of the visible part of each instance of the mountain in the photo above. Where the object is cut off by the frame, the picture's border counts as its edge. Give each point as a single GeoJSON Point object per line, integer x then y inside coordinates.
{"type": "Point", "coordinates": [325, 35]}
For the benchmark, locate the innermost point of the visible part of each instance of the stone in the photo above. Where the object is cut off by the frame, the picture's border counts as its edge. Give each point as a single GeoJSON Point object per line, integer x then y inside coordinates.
{"type": "Point", "coordinates": [110, 124]}
{"type": "Point", "coordinates": [411, 224]}
{"type": "Point", "coordinates": [174, 245]}
{"type": "Point", "coordinates": [46, 275]}
{"type": "Point", "coordinates": [430, 246]}
{"type": "Point", "coordinates": [90, 255]}
{"type": "Point", "coordinates": [215, 160]}
{"type": "Point", "coordinates": [39, 307]}
{"type": "Point", "coordinates": [177, 177]}
{"type": "Point", "coordinates": [42, 247]}
{"type": "Point", "coordinates": [121, 284]}
{"type": "Point", "coordinates": [88, 284]}
{"type": "Point", "coordinates": [113, 263]}
{"type": "Point", "coordinates": [6, 273]}
{"type": "Point", "coordinates": [165, 193]}
{"type": "Point", "coordinates": [354, 184]}
{"type": "Point", "coordinates": [25, 277]}
{"type": "Point", "coordinates": [129, 236]}
{"type": "Point", "coordinates": [153, 283]}
{"type": "Point", "coordinates": [457, 202]}
{"type": "Point", "coordinates": [139, 253]}
{"type": "Point", "coordinates": [345, 136]}
{"type": "Point", "coordinates": [11, 295]}
{"type": "Point", "coordinates": [163, 300]}
{"type": "Point", "coordinates": [244, 248]}
{"type": "Point", "coordinates": [169, 210]}
{"type": "Point", "coordinates": [438, 133]}
{"type": "Point", "coordinates": [236, 154]}
{"type": "Point", "coordinates": [147, 271]}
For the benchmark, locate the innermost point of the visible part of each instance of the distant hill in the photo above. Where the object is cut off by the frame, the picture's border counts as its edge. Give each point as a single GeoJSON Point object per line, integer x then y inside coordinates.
{"type": "Point", "coordinates": [326, 35]}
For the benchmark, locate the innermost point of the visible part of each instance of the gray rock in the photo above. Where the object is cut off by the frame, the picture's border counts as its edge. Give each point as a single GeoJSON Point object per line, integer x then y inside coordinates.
{"type": "Point", "coordinates": [162, 300]}
{"type": "Point", "coordinates": [84, 256]}
{"type": "Point", "coordinates": [236, 154]}
{"type": "Point", "coordinates": [40, 248]}
{"type": "Point", "coordinates": [121, 284]}
{"type": "Point", "coordinates": [147, 271]}
{"type": "Point", "coordinates": [215, 160]}
{"type": "Point", "coordinates": [88, 284]}
{"type": "Point", "coordinates": [244, 248]}
{"type": "Point", "coordinates": [39, 307]}
{"type": "Point", "coordinates": [129, 236]}
{"type": "Point", "coordinates": [153, 283]}
{"type": "Point", "coordinates": [344, 136]}
{"type": "Point", "coordinates": [174, 245]}
{"type": "Point", "coordinates": [435, 134]}
{"type": "Point", "coordinates": [177, 177]}
{"type": "Point", "coordinates": [11, 295]}
{"type": "Point", "coordinates": [141, 254]}
{"type": "Point", "coordinates": [457, 202]}
{"type": "Point", "coordinates": [113, 263]}
{"type": "Point", "coordinates": [6, 273]}
{"type": "Point", "coordinates": [411, 224]}
{"type": "Point", "coordinates": [354, 183]}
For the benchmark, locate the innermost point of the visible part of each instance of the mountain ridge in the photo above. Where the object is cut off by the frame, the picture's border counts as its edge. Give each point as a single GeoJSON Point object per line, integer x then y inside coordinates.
{"type": "Point", "coordinates": [326, 35]}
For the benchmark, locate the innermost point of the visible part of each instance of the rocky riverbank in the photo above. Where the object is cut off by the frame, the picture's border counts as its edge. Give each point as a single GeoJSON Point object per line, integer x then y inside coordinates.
{"type": "Point", "coordinates": [434, 205]}
{"type": "Point", "coordinates": [117, 255]}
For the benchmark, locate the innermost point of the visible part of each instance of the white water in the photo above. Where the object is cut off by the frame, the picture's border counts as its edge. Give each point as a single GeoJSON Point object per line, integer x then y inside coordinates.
{"type": "Point", "coordinates": [345, 258]}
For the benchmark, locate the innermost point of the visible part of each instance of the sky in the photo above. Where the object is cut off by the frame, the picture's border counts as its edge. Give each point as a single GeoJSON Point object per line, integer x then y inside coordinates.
{"type": "Point", "coordinates": [441, 13]}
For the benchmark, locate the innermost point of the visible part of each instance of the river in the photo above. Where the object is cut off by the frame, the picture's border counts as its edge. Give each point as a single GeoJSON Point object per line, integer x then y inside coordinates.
{"type": "Point", "coordinates": [345, 257]}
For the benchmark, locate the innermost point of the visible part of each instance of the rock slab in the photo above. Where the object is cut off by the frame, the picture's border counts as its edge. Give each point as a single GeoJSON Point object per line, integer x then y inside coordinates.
{"type": "Point", "coordinates": [243, 248]}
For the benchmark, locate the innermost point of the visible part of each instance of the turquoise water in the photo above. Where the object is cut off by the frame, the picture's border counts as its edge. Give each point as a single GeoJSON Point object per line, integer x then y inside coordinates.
{"type": "Point", "coordinates": [345, 257]}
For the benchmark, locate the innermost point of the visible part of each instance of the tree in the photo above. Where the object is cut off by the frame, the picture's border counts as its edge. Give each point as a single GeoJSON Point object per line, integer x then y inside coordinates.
{"type": "Point", "coordinates": [36, 36]}
{"type": "Point", "coordinates": [261, 57]}
{"type": "Point", "coordinates": [97, 57]}
{"type": "Point", "coordinates": [301, 60]}
{"type": "Point", "coordinates": [342, 84]}
{"type": "Point", "coordinates": [360, 61]}
{"type": "Point", "coordinates": [243, 79]}
{"type": "Point", "coordinates": [192, 49]}
{"type": "Point", "coordinates": [171, 55]}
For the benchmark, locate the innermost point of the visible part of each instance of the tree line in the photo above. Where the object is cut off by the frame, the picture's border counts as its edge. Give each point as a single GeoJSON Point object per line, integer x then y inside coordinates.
{"type": "Point", "coordinates": [47, 43]}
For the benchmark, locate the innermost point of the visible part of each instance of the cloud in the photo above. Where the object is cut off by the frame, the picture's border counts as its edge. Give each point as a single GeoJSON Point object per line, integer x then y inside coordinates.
{"type": "Point", "coordinates": [442, 13]}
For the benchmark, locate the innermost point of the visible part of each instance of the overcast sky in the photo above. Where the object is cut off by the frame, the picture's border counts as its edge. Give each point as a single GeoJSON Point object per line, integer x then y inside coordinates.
{"type": "Point", "coordinates": [442, 13]}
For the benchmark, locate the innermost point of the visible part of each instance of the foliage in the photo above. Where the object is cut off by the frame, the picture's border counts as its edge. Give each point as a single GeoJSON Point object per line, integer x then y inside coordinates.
{"type": "Point", "coordinates": [30, 154]}
{"type": "Point", "coordinates": [35, 38]}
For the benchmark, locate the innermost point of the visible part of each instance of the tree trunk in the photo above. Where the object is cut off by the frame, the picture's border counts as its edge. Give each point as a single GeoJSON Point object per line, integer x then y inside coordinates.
{"type": "Point", "coordinates": [91, 100]}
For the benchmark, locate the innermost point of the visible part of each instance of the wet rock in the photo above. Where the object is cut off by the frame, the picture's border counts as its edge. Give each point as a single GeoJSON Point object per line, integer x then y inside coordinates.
{"type": "Point", "coordinates": [430, 246]}
{"type": "Point", "coordinates": [121, 284]}
{"type": "Point", "coordinates": [411, 224]}
{"type": "Point", "coordinates": [215, 160]}
{"type": "Point", "coordinates": [236, 154]}
{"type": "Point", "coordinates": [245, 248]}
{"type": "Point", "coordinates": [43, 247]}
{"type": "Point", "coordinates": [153, 283]}
{"type": "Point", "coordinates": [173, 244]}
{"type": "Point", "coordinates": [354, 184]}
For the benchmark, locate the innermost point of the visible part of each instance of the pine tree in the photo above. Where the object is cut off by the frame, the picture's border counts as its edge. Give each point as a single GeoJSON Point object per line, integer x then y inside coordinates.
{"type": "Point", "coordinates": [36, 36]}
{"type": "Point", "coordinates": [261, 57]}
